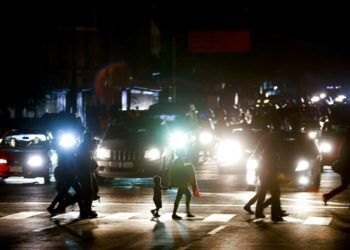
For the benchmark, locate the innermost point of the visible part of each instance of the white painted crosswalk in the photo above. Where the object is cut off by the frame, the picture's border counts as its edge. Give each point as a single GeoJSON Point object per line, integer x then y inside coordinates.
{"type": "Point", "coordinates": [123, 216]}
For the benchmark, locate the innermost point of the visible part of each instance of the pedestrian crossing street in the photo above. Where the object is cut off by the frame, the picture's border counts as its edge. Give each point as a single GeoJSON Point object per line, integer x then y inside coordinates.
{"type": "Point", "coordinates": [124, 216]}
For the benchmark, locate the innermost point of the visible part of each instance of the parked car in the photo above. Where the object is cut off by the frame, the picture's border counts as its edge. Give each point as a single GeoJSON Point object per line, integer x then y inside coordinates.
{"type": "Point", "coordinates": [300, 162]}
{"type": "Point", "coordinates": [27, 153]}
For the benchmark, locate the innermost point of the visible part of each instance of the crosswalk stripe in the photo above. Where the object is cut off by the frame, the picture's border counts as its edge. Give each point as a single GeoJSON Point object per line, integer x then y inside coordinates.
{"type": "Point", "coordinates": [219, 217]}
{"type": "Point", "coordinates": [21, 215]}
{"type": "Point", "coordinates": [69, 215]}
{"type": "Point", "coordinates": [120, 216]}
{"type": "Point", "coordinates": [214, 231]}
{"type": "Point", "coordinates": [323, 221]}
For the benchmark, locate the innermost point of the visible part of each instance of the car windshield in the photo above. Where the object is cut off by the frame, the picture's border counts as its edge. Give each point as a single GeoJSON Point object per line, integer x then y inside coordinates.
{"type": "Point", "coordinates": [136, 127]}
{"type": "Point", "coordinates": [25, 140]}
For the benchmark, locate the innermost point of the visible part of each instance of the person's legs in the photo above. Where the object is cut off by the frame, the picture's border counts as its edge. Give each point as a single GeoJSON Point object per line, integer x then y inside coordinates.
{"type": "Point", "coordinates": [275, 201]}
{"type": "Point", "coordinates": [177, 202]}
{"type": "Point", "coordinates": [251, 202]}
{"type": "Point", "coordinates": [344, 184]}
{"type": "Point", "coordinates": [259, 211]}
{"type": "Point", "coordinates": [188, 200]}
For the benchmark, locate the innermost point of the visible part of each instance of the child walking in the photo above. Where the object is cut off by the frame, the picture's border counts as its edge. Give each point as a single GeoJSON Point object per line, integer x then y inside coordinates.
{"type": "Point", "coordinates": [157, 195]}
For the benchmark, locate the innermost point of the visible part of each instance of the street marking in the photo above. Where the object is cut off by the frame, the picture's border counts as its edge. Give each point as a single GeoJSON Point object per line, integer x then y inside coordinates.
{"type": "Point", "coordinates": [216, 230]}
{"type": "Point", "coordinates": [323, 221]}
{"type": "Point", "coordinates": [120, 216]}
{"type": "Point", "coordinates": [21, 215]}
{"type": "Point", "coordinates": [219, 217]}
{"type": "Point", "coordinates": [67, 216]}
{"type": "Point", "coordinates": [339, 205]}
{"type": "Point", "coordinates": [43, 228]}
{"type": "Point", "coordinates": [293, 220]}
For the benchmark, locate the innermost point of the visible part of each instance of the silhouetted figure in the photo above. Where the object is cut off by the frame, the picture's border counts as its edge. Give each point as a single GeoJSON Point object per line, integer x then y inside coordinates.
{"type": "Point", "coordinates": [267, 152]}
{"type": "Point", "coordinates": [344, 170]}
{"type": "Point", "coordinates": [65, 179]}
{"type": "Point", "coordinates": [182, 175]}
{"type": "Point", "coordinates": [157, 195]}
{"type": "Point", "coordinates": [86, 165]}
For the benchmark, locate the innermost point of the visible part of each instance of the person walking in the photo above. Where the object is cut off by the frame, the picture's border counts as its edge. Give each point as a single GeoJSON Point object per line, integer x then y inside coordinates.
{"type": "Point", "coordinates": [157, 195]}
{"type": "Point", "coordinates": [267, 153]}
{"type": "Point", "coordinates": [182, 175]}
{"type": "Point", "coordinates": [343, 168]}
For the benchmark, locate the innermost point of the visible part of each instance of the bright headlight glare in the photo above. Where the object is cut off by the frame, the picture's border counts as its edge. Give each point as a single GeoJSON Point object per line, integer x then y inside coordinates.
{"type": "Point", "coordinates": [252, 164]}
{"type": "Point", "coordinates": [325, 147]}
{"type": "Point", "coordinates": [303, 180]}
{"type": "Point", "coordinates": [67, 141]}
{"type": "Point", "coordinates": [312, 134]}
{"type": "Point", "coordinates": [35, 161]}
{"type": "Point", "coordinates": [229, 152]}
{"type": "Point", "coordinates": [178, 140]}
{"type": "Point", "coordinates": [152, 154]}
{"type": "Point", "coordinates": [251, 177]}
{"type": "Point", "coordinates": [3, 161]}
{"type": "Point", "coordinates": [302, 165]}
{"type": "Point", "coordinates": [205, 138]}
{"type": "Point", "coordinates": [103, 153]}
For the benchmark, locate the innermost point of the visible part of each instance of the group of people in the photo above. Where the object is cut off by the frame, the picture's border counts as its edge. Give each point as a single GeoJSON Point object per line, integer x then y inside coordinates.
{"type": "Point", "coordinates": [266, 153]}
{"type": "Point", "coordinates": [75, 170]}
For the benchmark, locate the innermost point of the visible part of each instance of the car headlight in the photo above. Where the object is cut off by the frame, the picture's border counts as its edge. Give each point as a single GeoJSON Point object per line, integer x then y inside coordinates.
{"type": "Point", "coordinates": [3, 161]}
{"type": "Point", "coordinates": [229, 152]}
{"type": "Point", "coordinates": [152, 154]}
{"type": "Point", "coordinates": [103, 153]}
{"type": "Point", "coordinates": [35, 161]}
{"type": "Point", "coordinates": [178, 140]}
{"type": "Point", "coordinates": [205, 138]}
{"type": "Point", "coordinates": [302, 165]}
{"type": "Point", "coordinates": [67, 141]}
{"type": "Point", "coordinates": [325, 147]}
{"type": "Point", "coordinates": [252, 164]}
{"type": "Point", "coordinates": [312, 134]}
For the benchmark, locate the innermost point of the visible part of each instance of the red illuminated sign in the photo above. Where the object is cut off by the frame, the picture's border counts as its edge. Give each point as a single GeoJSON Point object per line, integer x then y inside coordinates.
{"type": "Point", "coordinates": [219, 41]}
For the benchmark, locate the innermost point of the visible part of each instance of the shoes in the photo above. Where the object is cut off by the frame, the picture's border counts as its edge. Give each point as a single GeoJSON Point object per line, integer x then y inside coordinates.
{"type": "Point", "coordinates": [51, 211]}
{"type": "Point", "coordinates": [276, 219]}
{"type": "Point", "coordinates": [156, 215]}
{"type": "Point", "coordinates": [153, 212]}
{"type": "Point", "coordinates": [90, 215]}
{"type": "Point", "coordinates": [176, 217]}
{"type": "Point", "coordinates": [260, 216]}
{"type": "Point", "coordinates": [325, 199]}
{"type": "Point", "coordinates": [284, 213]}
{"type": "Point", "coordinates": [248, 209]}
{"type": "Point", "coordinates": [96, 197]}
{"type": "Point", "coordinates": [190, 215]}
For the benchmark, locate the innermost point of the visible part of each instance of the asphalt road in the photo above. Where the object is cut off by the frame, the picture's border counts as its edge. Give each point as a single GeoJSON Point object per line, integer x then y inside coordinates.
{"type": "Point", "coordinates": [125, 222]}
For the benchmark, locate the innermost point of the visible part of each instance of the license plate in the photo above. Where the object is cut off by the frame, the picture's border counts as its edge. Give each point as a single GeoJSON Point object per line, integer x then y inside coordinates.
{"type": "Point", "coordinates": [126, 165]}
{"type": "Point", "coordinates": [16, 169]}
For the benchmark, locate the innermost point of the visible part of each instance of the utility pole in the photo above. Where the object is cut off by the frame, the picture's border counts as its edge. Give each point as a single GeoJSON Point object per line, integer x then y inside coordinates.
{"type": "Point", "coordinates": [174, 69]}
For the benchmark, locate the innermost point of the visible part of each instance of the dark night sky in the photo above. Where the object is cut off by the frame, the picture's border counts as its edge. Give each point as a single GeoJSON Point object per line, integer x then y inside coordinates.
{"type": "Point", "coordinates": [285, 29]}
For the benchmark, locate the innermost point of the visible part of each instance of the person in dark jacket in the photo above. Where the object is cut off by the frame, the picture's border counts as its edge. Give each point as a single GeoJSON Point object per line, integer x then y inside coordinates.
{"type": "Point", "coordinates": [182, 174]}
{"type": "Point", "coordinates": [267, 153]}
{"type": "Point", "coordinates": [344, 170]}
{"type": "Point", "coordinates": [85, 166]}
{"type": "Point", "coordinates": [65, 179]}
